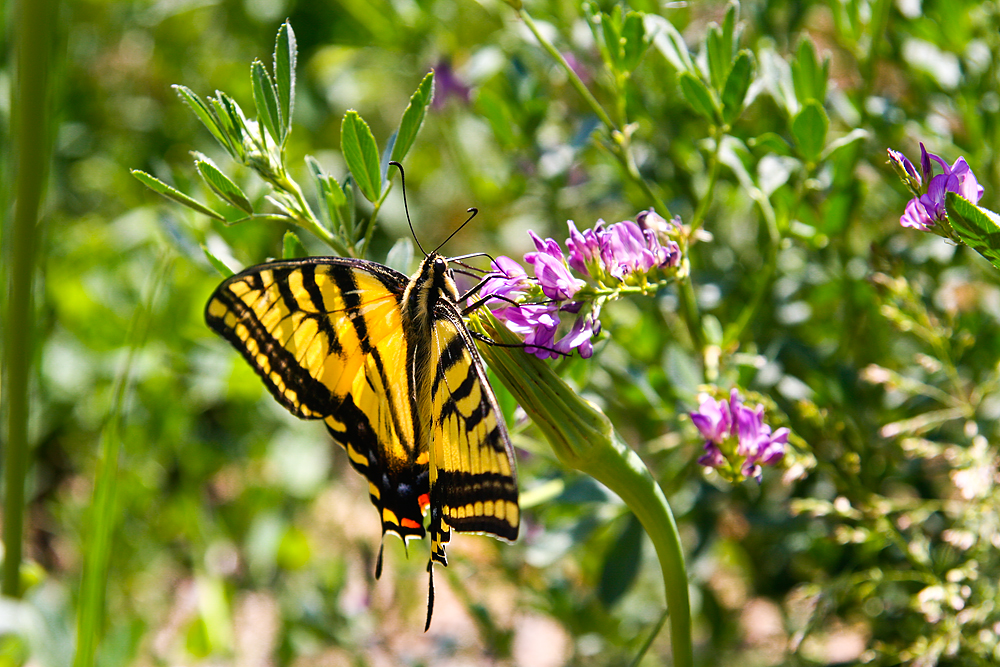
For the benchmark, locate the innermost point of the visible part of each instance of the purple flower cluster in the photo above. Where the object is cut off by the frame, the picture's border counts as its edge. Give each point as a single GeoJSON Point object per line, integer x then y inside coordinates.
{"type": "Point", "coordinates": [927, 207]}
{"type": "Point", "coordinates": [731, 428]}
{"type": "Point", "coordinates": [626, 253]}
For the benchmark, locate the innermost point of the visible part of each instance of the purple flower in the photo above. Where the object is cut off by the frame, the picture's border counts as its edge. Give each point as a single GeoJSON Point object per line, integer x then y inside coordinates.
{"type": "Point", "coordinates": [585, 248]}
{"type": "Point", "coordinates": [627, 249]}
{"type": "Point", "coordinates": [905, 168]}
{"type": "Point", "coordinates": [579, 337]}
{"type": "Point", "coordinates": [928, 207]}
{"type": "Point", "coordinates": [916, 216]}
{"type": "Point", "coordinates": [446, 85]}
{"type": "Point", "coordinates": [538, 324]}
{"type": "Point", "coordinates": [713, 418]}
{"type": "Point", "coordinates": [569, 320]}
{"type": "Point", "coordinates": [551, 271]}
{"type": "Point", "coordinates": [653, 221]}
{"type": "Point", "coordinates": [507, 279]}
{"type": "Point", "coordinates": [712, 458]}
{"type": "Point", "coordinates": [732, 427]}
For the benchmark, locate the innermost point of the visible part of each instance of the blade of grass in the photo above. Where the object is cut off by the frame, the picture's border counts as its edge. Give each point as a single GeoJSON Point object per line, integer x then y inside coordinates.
{"type": "Point", "coordinates": [103, 516]}
{"type": "Point", "coordinates": [35, 32]}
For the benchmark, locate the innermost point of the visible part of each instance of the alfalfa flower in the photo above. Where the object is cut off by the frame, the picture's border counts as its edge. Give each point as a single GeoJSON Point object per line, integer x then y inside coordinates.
{"type": "Point", "coordinates": [737, 440]}
{"type": "Point", "coordinates": [927, 207]}
{"type": "Point", "coordinates": [558, 310]}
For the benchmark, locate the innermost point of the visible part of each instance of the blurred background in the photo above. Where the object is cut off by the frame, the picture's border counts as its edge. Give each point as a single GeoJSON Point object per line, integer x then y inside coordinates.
{"type": "Point", "coordinates": [243, 538]}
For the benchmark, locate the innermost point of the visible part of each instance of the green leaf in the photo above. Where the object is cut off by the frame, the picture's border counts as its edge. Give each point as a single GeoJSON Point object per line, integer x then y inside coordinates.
{"type": "Point", "coordinates": [839, 144]}
{"type": "Point", "coordinates": [231, 118]}
{"type": "Point", "coordinates": [668, 41]}
{"type": "Point", "coordinates": [222, 185]}
{"type": "Point", "coordinates": [771, 142]}
{"type": "Point", "coordinates": [158, 186]}
{"type": "Point", "coordinates": [413, 117]}
{"type": "Point", "coordinates": [207, 116]}
{"type": "Point", "coordinates": [495, 109]}
{"type": "Point", "coordinates": [400, 256]}
{"type": "Point", "coordinates": [332, 197]}
{"type": "Point", "coordinates": [291, 246]}
{"type": "Point", "coordinates": [285, 58]}
{"type": "Point", "coordinates": [265, 100]}
{"type": "Point", "coordinates": [976, 227]}
{"type": "Point", "coordinates": [737, 85]}
{"type": "Point", "coordinates": [348, 210]}
{"type": "Point", "coordinates": [621, 563]}
{"type": "Point", "coordinates": [361, 154]}
{"type": "Point", "coordinates": [699, 96]}
{"type": "Point", "coordinates": [720, 54]}
{"type": "Point", "coordinates": [634, 42]}
{"type": "Point", "coordinates": [808, 77]}
{"type": "Point", "coordinates": [612, 36]}
{"type": "Point", "coordinates": [809, 128]}
{"type": "Point", "coordinates": [219, 265]}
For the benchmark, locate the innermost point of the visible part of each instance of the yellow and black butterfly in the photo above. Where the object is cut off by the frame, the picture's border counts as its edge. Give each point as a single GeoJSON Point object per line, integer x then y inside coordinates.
{"type": "Point", "coordinates": [390, 367]}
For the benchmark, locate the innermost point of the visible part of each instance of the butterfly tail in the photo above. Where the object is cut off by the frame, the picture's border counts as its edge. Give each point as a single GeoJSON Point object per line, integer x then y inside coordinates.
{"type": "Point", "coordinates": [430, 594]}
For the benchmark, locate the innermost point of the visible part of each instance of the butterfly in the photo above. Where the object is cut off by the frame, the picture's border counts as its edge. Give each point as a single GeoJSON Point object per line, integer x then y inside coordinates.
{"type": "Point", "coordinates": [388, 364]}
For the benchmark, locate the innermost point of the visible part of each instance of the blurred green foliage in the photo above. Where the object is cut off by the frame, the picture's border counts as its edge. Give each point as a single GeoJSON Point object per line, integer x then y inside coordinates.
{"type": "Point", "coordinates": [239, 534]}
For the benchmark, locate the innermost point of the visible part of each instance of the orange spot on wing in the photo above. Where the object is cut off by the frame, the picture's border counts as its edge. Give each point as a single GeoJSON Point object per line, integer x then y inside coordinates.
{"type": "Point", "coordinates": [424, 501]}
{"type": "Point", "coordinates": [409, 523]}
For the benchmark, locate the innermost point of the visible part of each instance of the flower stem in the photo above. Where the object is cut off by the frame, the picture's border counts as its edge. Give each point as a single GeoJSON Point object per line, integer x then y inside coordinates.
{"type": "Point", "coordinates": [32, 147]}
{"type": "Point", "coordinates": [583, 438]}
{"type": "Point", "coordinates": [307, 219]}
{"type": "Point", "coordinates": [370, 225]}
{"type": "Point", "coordinates": [574, 79]}
{"type": "Point", "coordinates": [735, 330]}
{"type": "Point", "coordinates": [620, 144]}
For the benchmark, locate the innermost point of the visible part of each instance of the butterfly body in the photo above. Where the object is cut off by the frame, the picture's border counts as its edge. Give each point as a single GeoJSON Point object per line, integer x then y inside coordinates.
{"type": "Point", "coordinates": [387, 363]}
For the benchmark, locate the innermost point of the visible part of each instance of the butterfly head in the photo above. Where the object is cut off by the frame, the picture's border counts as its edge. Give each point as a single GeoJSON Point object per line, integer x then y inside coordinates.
{"type": "Point", "coordinates": [442, 278]}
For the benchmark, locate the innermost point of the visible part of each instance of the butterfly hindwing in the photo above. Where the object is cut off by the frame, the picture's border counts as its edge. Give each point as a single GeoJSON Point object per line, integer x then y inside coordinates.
{"type": "Point", "coordinates": [472, 473]}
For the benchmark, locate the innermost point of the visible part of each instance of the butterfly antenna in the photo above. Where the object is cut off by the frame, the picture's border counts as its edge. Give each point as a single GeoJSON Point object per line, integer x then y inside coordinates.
{"type": "Point", "coordinates": [474, 211]}
{"type": "Point", "coordinates": [402, 180]}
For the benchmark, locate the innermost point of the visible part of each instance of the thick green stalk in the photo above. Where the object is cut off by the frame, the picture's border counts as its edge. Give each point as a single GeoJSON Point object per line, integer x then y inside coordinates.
{"type": "Point", "coordinates": [103, 516]}
{"type": "Point", "coordinates": [582, 437]}
{"type": "Point", "coordinates": [32, 148]}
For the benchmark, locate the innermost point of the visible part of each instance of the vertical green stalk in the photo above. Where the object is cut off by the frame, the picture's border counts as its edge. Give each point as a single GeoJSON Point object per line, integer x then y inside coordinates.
{"type": "Point", "coordinates": [583, 438]}
{"type": "Point", "coordinates": [103, 515]}
{"type": "Point", "coordinates": [34, 29]}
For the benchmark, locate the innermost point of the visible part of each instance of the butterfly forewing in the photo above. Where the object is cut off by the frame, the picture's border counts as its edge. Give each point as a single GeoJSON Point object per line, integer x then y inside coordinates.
{"type": "Point", "coordinates": [326, 336]}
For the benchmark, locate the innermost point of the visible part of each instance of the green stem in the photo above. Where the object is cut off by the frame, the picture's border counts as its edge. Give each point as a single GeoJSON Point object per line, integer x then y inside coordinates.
{"type": "Point", "coordinates": [620, 146]}
{"type": "Point", "coordinates": [621, 470]}
{"type": "Point", "coordinates": [735, 330]}
{"type": "Point", "coordinates": [103, 515]}
{"type": "Point", "coordinates": [308, 219]}
{"type": "Point", "coordinates": [713, 177]}
{"type": "Point", "coordinates": [370, 225]}
{"type": "Point", "coordinates": [686, 296]}
{"type": "Point", "coordinates": [574, 80]}
{"type": "Point", "coordinates": [35, 29]}
{"type": "Point", "coordinates": [582, 437]}
{"type": "Point", "coordinates": [688, 302]}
